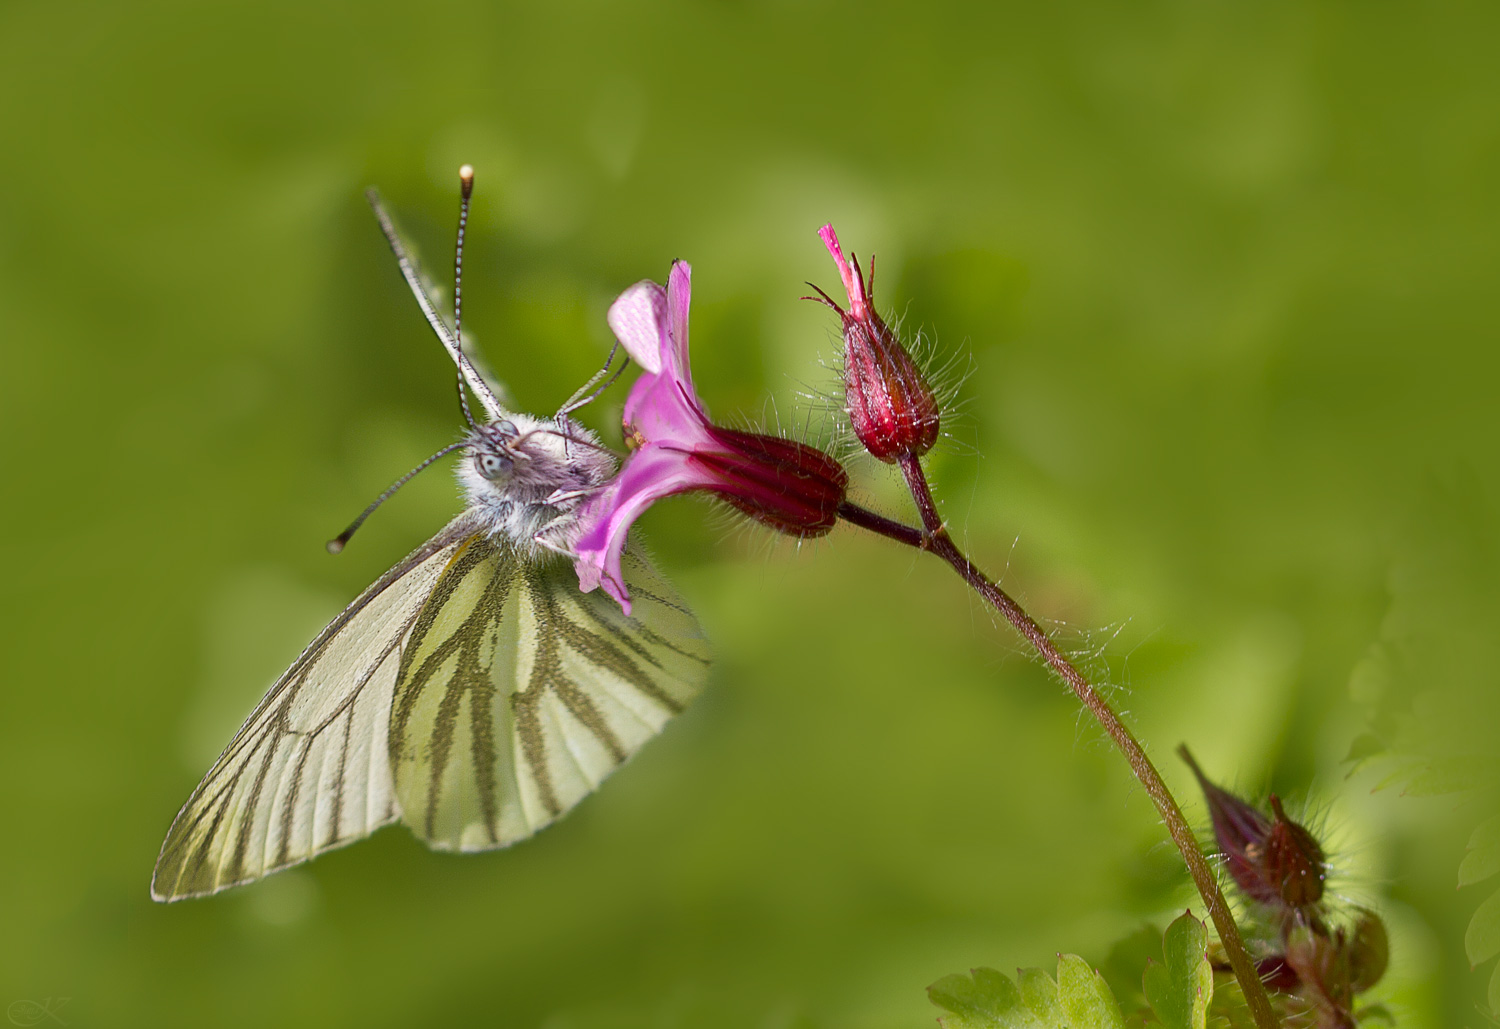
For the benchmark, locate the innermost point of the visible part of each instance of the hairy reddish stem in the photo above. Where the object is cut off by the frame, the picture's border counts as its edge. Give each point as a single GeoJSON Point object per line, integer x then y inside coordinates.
{"type": "Point", "coordinates": [933, 537]}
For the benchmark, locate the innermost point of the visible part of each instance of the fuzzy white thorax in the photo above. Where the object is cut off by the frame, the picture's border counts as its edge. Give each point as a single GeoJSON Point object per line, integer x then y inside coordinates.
{"type": "Point", "coordinates": [524, 478]}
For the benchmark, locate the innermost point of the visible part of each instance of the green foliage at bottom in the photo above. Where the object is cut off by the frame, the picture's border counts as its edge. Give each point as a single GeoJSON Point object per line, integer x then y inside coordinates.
{"type": "Point", "coordinates": [1178, 989]}
{"type": "Point", "coordinates": [1482, 939]}
{"type": "Point", "coordinates": [1078, 998]}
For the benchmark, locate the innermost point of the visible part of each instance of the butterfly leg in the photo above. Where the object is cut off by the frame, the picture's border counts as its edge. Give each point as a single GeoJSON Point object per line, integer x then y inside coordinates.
{"type": "Point", "coordinates": [583, 396]}
{"type": "Point", "coordinates": [565, 549]}
{"type": "Point", "coordinates": [561, 496]}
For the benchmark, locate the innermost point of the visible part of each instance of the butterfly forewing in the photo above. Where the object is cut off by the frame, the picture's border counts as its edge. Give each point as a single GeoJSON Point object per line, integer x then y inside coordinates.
{"type": "Point", "coordinates": [517, 694]}
{"type": "Point", "coordinates": [308, 771]}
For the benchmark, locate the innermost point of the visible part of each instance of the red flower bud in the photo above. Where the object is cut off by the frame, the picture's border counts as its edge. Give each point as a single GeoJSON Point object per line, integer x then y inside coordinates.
{"type": "Point", "coordinates": [891, 408]}
{"type": "Point", "coordinates": [1240, 831]}
{"type": "Point", "coordinates": [1292, 861]}
{"type": "Point", "coordinates": [1275, 861]}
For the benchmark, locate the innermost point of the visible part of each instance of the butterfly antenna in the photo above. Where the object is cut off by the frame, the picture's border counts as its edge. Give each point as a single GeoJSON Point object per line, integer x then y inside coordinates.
{"type": "Point", "coordinates": [429, 311]}
{"type": "Point", "coordinates": [583, 397]}
{"type": "Point", "coordinates": [466, 191]}
{"type": "Point", "coordinates": [337, 543]}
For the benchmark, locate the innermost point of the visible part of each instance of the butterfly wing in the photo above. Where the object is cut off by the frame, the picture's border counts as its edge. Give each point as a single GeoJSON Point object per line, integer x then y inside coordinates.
{"type": "Point", "coordinates": [308, 770]}
{"type": "Point", "coordinates": [518, 694]}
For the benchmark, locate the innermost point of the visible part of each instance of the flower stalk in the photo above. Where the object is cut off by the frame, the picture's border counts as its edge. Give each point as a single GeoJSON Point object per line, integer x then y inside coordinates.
{"type": "Point", "coordinates": [895, 415]}
{"type": "Point", "coordinates": [934, 538]}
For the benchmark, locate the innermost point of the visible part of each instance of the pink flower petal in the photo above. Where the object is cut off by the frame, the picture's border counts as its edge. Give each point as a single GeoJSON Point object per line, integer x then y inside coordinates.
{"type": "Point", "coordinates": [663, 410]}
{"type": "Point", "coordinates": [651, 473]}
{"type": "Point", "coordinates": [639, 319]}
{"type": "Point", "coordinates": [674, 346]}
{"type": "Point", "coordinates": [853, 287]}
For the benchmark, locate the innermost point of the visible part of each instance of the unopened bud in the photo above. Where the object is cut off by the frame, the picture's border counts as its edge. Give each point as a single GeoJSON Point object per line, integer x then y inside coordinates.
{"type": "Point", "coordinates": [1240, 832]}
{"type": "Point", "coordinates": [1274, 860]}
{"type": "Point", "coordinates": [1369, 950]}
{"type": "Point", "coordinates": [891, 407]}
{"type": "Point", "coordinates": [1293, 860]}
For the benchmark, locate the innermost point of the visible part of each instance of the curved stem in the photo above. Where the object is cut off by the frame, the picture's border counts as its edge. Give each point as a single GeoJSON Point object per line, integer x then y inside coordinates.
{"type": "Point", "coordinates": [865, 519]}
{"type": "Point", "coordinates": [934, 538]}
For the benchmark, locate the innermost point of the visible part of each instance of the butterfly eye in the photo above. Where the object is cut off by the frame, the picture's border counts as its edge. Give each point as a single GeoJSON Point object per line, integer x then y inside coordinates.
{"type": "Point", "coordinates": [492, 466]}
{"type": "Point", "coordinates": [506, 428]}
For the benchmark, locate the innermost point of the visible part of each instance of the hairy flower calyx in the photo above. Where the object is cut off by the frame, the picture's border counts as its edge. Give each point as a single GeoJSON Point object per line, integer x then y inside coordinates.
{"type": "Point", "coordinates": [891, 407]}
{"type": "Point", "coordinates": [790, 486]}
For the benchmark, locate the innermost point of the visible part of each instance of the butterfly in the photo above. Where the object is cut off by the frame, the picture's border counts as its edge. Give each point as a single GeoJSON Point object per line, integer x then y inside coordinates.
{"type": "Point", "coordinates": [472, 692]}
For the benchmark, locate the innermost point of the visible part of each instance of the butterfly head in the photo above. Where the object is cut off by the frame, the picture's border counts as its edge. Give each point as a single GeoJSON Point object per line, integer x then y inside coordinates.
{"type": "Point", "coordinates": [524, 476]}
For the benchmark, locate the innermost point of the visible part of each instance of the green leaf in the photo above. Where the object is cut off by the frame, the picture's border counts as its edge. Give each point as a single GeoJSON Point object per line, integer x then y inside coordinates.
{"type": "Point", "coordinates": [1179, 991]}
{"type": "Point", "coordinates": [1482, 858]}
{"type": "Point", "coordinates": [1126, 964]}
{"type": "Point", "coordinates": [1447, 775]}
{"type": "Point", "coordinates": [1494, 992]}
{"type": "Point", "coordinates": [985, 999]}
{"type": "Point", "coordinates": [1482, 940]}
{"type": "Point", "coordinates": [1039, 991]}
{"type": "Point", "coordinates": [1086, 999]}
{"type": "Point", "coordinates": [1434, 777]}
{"type": "Point", "coordinates": [1364, 746]}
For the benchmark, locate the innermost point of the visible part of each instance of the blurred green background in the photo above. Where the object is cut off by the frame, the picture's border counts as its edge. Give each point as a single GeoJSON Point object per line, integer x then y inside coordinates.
{"type": "Point", "coordinates": [1225, 275]}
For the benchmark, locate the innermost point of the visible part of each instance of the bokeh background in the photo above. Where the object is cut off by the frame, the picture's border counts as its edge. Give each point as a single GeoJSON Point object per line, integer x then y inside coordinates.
{"type": "Point", "coordinates": [1224, 279]}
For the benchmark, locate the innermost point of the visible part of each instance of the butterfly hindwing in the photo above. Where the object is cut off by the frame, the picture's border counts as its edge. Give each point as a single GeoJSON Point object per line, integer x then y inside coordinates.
{"type": "Point", "coordinates": [517, 694]}
{"type": "Point", "coordinates": [308, 770]}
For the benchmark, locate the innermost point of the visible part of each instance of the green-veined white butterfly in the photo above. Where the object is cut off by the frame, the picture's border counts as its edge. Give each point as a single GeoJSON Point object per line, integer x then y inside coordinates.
{"type": "Point", "coordinates": [472, 692]}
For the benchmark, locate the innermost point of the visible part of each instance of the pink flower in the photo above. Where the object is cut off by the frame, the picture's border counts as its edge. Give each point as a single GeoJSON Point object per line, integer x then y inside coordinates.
{"type": "Point", "coordinates": [891, 408]}
{"type": "Point", "coordinates": [790, 486]}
